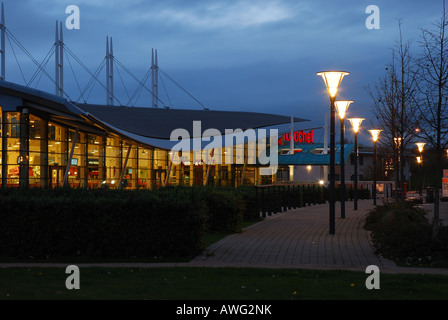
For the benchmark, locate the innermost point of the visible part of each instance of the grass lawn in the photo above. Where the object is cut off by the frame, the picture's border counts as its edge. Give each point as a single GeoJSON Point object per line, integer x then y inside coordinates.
{"type": "Point", "coordinates": [214, 284]}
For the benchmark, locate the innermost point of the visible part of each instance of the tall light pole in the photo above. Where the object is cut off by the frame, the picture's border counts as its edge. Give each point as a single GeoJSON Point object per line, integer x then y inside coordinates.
{"type": "Point", "coordinates": [356, 124]}
{"type": "Point", "coordinates": [342, 107]}
{"type": "Point", "coordinates": [375, 136]}
{"type": "Point", "coordinates": [421, 147]}
{"type": "Point", "coordinates": [420, 182]}
{"type": "Point", "coordinates": [332, 81]}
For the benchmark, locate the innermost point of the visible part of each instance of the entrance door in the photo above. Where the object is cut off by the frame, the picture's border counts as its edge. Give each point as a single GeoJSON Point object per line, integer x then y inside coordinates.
{"type": "Point", "coordinates": [198, 176]}
{"type": "Point", "coordinates": [56, 176]}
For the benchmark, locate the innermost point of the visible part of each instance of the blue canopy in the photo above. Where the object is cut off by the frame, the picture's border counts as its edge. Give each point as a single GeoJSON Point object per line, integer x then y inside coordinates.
{"type": "Point", "coordinates": [312, 154]}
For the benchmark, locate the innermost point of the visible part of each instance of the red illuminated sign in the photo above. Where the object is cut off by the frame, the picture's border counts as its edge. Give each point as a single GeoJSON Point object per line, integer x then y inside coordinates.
{"type": "Point", "coordinates": [298, 136]}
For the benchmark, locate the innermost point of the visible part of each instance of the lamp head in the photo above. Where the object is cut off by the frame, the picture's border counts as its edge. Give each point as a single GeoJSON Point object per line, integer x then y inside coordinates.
{"type": "Point", "coordinates": [356, 123]}
{"type": "Point", "coordinates": [420, 146]}
{"type": "Point", "coordinates": [342, 107]}
{"type": "Point", "coordinates": [375, 134]}
{"type": "Point", "coordinates": [332, 80]}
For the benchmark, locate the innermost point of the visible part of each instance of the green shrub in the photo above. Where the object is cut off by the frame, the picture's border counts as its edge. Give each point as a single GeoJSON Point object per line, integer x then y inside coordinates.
{"type": "Point", "coordinates": [249, 203]}
{"type": "Point", "coordinates": [225, 211]}
{"type": "Point", "coordinates": [405, 234]}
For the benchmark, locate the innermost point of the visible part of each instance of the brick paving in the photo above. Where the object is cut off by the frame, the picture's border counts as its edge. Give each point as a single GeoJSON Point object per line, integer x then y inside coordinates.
{"type": "Point", "coordinates": [300, 238]}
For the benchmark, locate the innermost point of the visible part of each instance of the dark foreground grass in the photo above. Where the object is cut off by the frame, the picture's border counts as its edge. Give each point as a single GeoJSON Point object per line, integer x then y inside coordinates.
{"type": "Point", "coordinates": [214, 284]}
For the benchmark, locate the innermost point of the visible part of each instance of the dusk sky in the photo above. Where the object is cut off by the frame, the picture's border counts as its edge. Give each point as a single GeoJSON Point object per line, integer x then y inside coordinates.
{"type": "Point", "coordinates": [243, 55]}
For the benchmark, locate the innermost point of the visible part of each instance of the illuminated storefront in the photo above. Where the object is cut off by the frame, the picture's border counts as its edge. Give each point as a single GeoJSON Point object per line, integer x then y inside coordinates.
{"type": "Point", "coordinates": [47, 140]}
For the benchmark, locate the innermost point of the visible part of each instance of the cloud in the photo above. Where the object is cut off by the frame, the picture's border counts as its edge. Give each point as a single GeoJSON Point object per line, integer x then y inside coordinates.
{"type": "Point", "coordinates": [220, 14]}
{"type": "Point", "coordinates": [102, 4]}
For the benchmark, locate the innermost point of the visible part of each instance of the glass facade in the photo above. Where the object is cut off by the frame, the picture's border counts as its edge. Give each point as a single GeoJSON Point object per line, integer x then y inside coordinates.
{"type": "Point", "coordinates": [36, 152]}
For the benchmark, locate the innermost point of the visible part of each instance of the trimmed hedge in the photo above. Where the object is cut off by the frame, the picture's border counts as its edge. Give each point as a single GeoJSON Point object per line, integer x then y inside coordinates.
{"type": "Point", "coordinates": [249, 202]}
{"type": "Point", "coordinates": [92, 224]}
{"type": "Point", "coordinates": [225, 211]}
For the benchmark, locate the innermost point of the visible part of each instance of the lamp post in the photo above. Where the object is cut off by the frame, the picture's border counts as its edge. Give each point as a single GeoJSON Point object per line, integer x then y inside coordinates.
{"type": "Point", "coordinates": [356, 124]}
{"type": "Point", "coordinates": [419, 162]}
{"type": "Point", "coordinates": [421, 147]}
{"type": "Point", "coordinates": [342, 107]}
{"type": "Point", "coordinates": [332, 81]}
{"type": "Point", "coordinates": [398, 182]}
{"type": "Point", "coordinates": [375, 136]}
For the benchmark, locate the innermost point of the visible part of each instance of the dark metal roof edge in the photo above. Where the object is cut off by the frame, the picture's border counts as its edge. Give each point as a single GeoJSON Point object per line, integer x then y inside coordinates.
{"type": "Point", "coordinates": [27, 92]}
{"type": "Point", "coordinates": [271, 124]}
{"type": "Point", "coordinates": [116, 130]}
{"type": "Point", "coordinates": [79, 105]}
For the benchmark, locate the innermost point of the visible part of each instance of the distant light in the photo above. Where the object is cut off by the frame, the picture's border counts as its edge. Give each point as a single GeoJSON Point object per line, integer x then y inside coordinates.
{"type": "Point", "coordinates": [321, 182]}
{"type": "Point", "coordinates": [397, 142]}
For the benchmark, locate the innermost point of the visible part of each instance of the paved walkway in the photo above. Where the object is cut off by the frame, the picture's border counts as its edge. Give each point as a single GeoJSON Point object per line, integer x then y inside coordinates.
{"type": "Point", "coordinates": [295, 239]}
{"type": "Point", "coordinates": [300, 239]}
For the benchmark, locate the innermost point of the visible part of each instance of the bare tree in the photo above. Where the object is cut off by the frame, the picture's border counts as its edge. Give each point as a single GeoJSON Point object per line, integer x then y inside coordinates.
{"type": "Point", "coordinates": [432, 82]}
{"type": "Point", "coordinates": [394, 107]}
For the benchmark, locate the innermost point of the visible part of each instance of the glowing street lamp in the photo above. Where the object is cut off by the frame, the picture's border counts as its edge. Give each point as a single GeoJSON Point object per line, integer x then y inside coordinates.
{"type": "Point", "coordinates": [421, 147]}
{"type": "Point", "coordinates": [332, 81]}
{"type": "Point", "coordinates": [420, 182]}
{"type": "Point", "coordinates": [356, 124]}
{"type": "Point", "coordinates": [375, 136]}
{"type": "Point", "coordinates": [342, 107]}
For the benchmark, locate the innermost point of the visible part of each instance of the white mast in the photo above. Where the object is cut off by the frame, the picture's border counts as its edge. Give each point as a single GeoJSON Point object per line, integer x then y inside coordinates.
{"type": "Point", "coordinates": [57, 52]}
{"type": "Point", "coordinates": [155, 79]}
{"type": "Point", "coordinates": [291, 149]}
{"type": "Point", "coordinates": [2, 49]}
{"type": "Point", "coordinates": [109, 72]}
{"type": "Point", "coordinates": [291, 140]}
{"type": "Point", "coordinates": [59, 60]}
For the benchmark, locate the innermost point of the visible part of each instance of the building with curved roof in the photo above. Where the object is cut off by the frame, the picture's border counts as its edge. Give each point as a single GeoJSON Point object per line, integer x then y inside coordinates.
{"type": "Point", "coordinates": [49, 141]}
